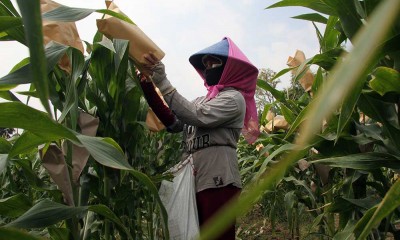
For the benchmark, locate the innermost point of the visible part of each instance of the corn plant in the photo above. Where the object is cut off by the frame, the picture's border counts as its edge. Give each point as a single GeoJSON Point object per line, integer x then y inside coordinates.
{"type": "Point", "coordinates": [362, 155]}
{"type": "Point", "coordinates": [107, 191]}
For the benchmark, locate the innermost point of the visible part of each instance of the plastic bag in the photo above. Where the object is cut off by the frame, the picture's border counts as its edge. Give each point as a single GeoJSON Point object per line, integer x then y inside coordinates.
{"type": "Point", "coordinates": [179, 199]}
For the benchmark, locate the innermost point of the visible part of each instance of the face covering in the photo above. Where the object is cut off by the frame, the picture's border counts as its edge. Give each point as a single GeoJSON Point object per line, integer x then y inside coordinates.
{"type": "Point", "coordinates": [213, 75]}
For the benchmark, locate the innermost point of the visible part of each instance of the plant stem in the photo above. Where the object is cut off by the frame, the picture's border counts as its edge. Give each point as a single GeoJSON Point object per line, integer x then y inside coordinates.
{"type": "Point", "coordinates": [107, 196]}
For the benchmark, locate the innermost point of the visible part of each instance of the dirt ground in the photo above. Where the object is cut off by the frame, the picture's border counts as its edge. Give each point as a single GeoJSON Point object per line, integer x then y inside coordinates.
{"type": "Point", "coordinates": [254, 226]}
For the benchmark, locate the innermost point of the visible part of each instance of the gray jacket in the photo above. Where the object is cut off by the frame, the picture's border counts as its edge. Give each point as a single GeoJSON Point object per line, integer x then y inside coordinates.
{"type": "Point", "coordinates": [211, 130]}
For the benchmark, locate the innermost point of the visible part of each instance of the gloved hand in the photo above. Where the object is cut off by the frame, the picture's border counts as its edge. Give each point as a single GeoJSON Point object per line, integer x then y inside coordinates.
{"type": "Point", "coordinates": [155, 69]}
{"type": "Point", "coordinates": [158, 73]}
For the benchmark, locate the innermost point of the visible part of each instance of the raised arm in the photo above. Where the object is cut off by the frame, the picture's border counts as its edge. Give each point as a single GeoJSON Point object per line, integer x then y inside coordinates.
{"type": "Point", "coordinates": [158, 106]}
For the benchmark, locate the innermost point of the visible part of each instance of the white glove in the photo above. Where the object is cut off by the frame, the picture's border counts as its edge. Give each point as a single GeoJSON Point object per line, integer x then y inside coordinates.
{"type": "Point", "coordinates": [158, 73]}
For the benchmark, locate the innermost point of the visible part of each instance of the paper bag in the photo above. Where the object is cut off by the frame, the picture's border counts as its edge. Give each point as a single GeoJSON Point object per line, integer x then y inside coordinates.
{"type": "Point", "coordinates": [62, 32]}
{"type": "Point", "coordinates": [152, 122]}
{"type": "Point", "coordinates": [308, 78]}
{"type": "Point", "coordinates": [139, 42]}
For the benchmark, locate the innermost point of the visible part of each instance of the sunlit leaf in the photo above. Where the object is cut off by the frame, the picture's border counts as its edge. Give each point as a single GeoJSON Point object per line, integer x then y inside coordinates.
{"type": "Point", "coordinates": [385, 80]}
{"type": "Point", "coordinates": [314, 17]}
{"type": "Point", "coordinates": [317, 5]}
{"type": "Point", "coordinates": [362, 161]}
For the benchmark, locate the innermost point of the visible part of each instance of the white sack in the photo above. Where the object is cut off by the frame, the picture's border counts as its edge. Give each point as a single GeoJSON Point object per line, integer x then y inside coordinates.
{"type": "Point", "coordinates": [179, 199]}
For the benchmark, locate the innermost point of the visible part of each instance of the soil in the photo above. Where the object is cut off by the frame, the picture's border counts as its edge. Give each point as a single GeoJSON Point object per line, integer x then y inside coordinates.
{"type": "Point", "coordinates": [254, 226]}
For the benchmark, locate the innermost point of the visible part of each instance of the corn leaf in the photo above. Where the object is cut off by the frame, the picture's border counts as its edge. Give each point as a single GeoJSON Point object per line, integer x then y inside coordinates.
{"type": "Point", "coordinates": [344, 76]}
{"type": "Point", "coordinates": [70, 14]}
{"type": "Point", "coordinates": [71, 101]}
{"type": "Point", "coordinates": [362, 161]}
{"type": "Point", "coordinates": [110, 215]}
{"type": "Point", "coordinates": [5, 145]}
{"type": "Point", "coordinates": [346, 11]}
{"type": "Point", "coordinates": [314, 17]}
{"type": "Point", "coordinates": [46, 213]}
{"type": "Point", "coordinates": [59, 233]}
{"type": "Point", "coordinates": [280, 96]}
{"type": "Point", "coordinates": [16, 234]}
{"type": "Point", "coordinates": [317, 5]}
{"type": "Point", "coordinates": [384, 113]}
{"type": "Point", "coordinates": [389, 203]}
{"type": "Point", "coordinates": [18, 115]}
{"type": "Point", "coordinates": [14, 206]}
{"type": "Point", "coordinates": [17, 31]}
{"type": "Point", "coordinates": [23, 72]}
{"type": "Point", "coordinates": [25, 143]}
{"type": "Point", "coordinates": [3, 162]}
{"type": "Point", "coordinates": [7, 22]}
{"type": "Point", "coordinates": [9, 8]}
{"type": "Point", "coordinates": [31, 16]}
{"type": "Point", "coordinates": [104, 152]}
{"type": "Point", "coordinates": [385, 80]}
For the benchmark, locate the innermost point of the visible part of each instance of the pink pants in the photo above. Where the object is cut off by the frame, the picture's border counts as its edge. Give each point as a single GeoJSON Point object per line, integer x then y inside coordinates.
{"type": "Point", "coordinates": [209, 201]}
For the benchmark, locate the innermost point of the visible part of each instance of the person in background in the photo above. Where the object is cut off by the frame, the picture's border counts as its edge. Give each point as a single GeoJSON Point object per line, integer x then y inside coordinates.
{"type": "Point", "coordinates": [211, 124]}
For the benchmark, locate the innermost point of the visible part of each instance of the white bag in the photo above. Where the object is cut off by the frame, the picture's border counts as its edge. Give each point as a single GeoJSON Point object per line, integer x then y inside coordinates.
{"type": "Point", "coordinates": [179, 199]}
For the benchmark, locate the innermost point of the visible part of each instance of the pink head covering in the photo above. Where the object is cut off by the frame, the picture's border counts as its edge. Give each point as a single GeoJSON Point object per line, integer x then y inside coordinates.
{"type": "Point", "coordinates": [239, 73]}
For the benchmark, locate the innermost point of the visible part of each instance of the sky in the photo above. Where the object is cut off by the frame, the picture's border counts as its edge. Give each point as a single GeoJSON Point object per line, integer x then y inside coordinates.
{"type": "Point", "coordinates": [183, 27]}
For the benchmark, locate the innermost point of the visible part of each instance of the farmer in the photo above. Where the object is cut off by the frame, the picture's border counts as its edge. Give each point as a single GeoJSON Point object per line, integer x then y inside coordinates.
{"type": "Point", "coordinates": [211, 124]}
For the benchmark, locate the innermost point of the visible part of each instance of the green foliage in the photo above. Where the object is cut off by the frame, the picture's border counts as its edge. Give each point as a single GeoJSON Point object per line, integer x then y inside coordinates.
{"type": "Point", "coordinates": [337, 161]}
{"type": "Point", "coordinates": [344, 150]}
{"type": "Point", "coordinates": [117, 190]}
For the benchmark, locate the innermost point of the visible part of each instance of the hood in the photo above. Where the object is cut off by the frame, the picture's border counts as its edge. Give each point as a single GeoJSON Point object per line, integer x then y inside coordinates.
{"type": "Point", "coordinates": [239, 73]}
{"type": "Point", "coordinates": [237, 66]}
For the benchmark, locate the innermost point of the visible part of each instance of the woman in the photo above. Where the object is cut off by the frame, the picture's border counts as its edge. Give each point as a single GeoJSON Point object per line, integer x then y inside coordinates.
{"type": "Point", "coordinates": [211, 124]}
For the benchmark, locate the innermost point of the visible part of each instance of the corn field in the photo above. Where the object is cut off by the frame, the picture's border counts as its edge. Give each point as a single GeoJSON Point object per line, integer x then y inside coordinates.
{"type": "Point", "coordinates": [88, 167]}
